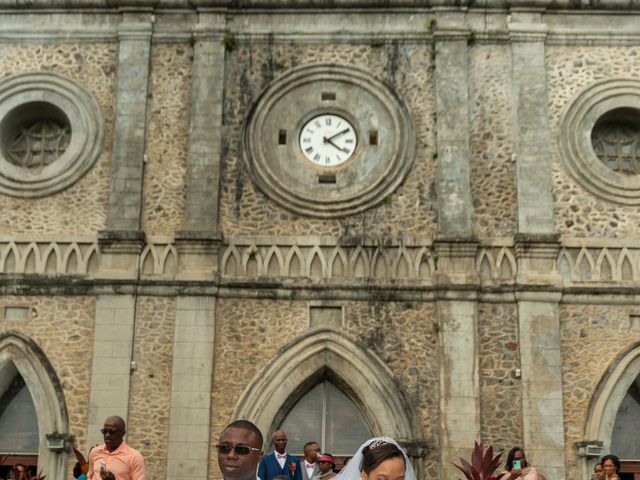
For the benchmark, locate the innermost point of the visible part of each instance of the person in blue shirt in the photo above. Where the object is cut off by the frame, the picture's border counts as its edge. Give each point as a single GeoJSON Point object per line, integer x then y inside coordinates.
{"type": "Point", "coordinates": [279, 462]}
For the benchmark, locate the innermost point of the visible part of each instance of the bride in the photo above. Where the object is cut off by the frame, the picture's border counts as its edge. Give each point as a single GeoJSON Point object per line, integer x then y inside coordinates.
{"type": "Point", "coordinates": [379, 457]}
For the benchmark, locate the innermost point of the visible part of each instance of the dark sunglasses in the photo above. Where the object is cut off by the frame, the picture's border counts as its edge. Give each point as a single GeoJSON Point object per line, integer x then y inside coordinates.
{"type": "Point", "coordinates": [109, 431]}
{"type": "Point", "coordinates": [240, 449]}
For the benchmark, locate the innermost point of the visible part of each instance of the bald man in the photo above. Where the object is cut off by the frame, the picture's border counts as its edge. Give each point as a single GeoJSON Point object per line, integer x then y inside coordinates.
{"type": "Point", "coordinates": [279, 462]}
{"type": "Point", "coordinates": [115, 460]}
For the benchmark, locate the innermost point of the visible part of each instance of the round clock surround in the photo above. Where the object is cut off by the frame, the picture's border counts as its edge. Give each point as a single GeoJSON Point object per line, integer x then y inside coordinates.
{"type": "Point", "coordinates": [354, 179]}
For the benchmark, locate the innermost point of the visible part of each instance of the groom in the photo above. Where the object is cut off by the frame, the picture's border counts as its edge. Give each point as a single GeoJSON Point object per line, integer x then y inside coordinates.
{"type": "Point", "coordinates": [279, 462]}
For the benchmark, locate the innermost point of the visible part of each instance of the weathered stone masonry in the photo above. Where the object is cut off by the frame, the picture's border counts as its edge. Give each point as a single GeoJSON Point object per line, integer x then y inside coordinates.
{"type": "Point", "coordinates": [489, 297]}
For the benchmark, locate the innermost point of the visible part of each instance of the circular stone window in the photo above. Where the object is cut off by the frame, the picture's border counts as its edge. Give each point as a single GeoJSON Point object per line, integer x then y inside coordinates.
{"type": "Point", "coordinates": [600, 140]}
{"type": "Point", "coordinates": [327, 140]}
{"type": "Point", "coordinates": [51, 133]}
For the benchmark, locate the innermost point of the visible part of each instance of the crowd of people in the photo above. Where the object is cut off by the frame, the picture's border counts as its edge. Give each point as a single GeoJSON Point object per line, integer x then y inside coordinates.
{"type": "Point", "coordinates": [240, 457]}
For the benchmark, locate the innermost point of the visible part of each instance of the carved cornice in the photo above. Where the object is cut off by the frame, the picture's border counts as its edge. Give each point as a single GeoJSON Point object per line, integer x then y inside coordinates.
{"type": "Point", "coordinates": [321, 4]}
{"type": "Point", "coordinates": [246, 265]}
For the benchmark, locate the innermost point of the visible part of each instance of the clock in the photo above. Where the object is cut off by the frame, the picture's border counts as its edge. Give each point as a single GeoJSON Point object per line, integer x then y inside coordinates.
{"type": "Point", "coordinates": [328, 140]}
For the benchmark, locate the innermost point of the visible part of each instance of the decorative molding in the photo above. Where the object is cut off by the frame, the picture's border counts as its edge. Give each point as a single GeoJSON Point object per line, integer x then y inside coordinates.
{"type": "Point", "coordinates": [372, 263]}
{"type": "Point", "coordinates": [85, 122]}
{"type": "Point", "coordinates": [358, 5]}
{"type": "Point", "coordinates": [321, 260]}
{"type": "Point", "coordinates": [373, 172]}
{"type": "Point", "coordinates": [54, 258]}
{"type": "Point", "coordinates": [598, 265]}
{"type": "Point", "coordinates": [574, 139]}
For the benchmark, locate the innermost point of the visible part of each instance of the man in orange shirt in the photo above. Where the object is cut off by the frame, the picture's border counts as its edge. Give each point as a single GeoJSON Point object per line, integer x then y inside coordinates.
{"type": "Point", "coordinates": [115, 460]}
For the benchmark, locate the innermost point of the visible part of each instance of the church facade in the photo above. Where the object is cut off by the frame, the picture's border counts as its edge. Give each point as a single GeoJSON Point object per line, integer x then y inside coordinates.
{"type": "Point", "coordinates": [420, 215]}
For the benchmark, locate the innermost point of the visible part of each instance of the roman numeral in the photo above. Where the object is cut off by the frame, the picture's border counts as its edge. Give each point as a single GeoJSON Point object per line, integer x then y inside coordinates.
{"type": "Point", "coordinates": [327, 160]}
{"type": "Point", "coordinates": [309, 150]}
{"type": "Point", "coordinates": [306, 140]}
{"type": "Point", "coordinates": [327, 121]}
{"type": "Point", "coordinates": [316, 157]}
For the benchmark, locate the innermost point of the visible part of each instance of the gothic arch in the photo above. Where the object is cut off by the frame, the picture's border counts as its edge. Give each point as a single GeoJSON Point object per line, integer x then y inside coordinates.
{"type": "Point", "coordinates": [367, 379]}
{"type": "Point", "coordinates": [20, 352]}
{"type": "Point", "coordinates": [607, 398]}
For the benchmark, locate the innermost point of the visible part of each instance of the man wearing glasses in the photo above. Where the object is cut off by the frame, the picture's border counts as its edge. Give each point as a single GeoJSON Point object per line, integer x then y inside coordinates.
{"type": "Point", "coordinates": [115, 460]}
{"type": "Point", "coordinates": [240, 451]}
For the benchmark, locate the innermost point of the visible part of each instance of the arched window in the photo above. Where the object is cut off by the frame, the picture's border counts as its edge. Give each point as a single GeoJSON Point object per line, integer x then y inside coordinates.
{"type": "Point", "coordinates": [327, 416]}
{"type": "Point", "coordinates": [625, 441]}
{"type": "Point", "coordinates": [19, 435]}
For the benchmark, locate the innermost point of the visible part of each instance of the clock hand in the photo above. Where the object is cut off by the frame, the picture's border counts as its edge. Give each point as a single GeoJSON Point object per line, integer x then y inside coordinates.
{"type": "Point", "coordinates": [338, 134]}
{"type": "Point", "coordinates": [328, 140]}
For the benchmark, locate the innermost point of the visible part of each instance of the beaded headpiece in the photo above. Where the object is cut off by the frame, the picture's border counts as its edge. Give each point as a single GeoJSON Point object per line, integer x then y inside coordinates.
{"type": "Point", "coordinates": [378, 442]}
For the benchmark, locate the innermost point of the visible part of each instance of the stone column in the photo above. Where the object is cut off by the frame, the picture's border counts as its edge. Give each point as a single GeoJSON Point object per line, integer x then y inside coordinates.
{"type": "Point", "coordinates": [129, 135]}
{"type": "Point", "coordinates": [536, 250]}
{"type": "Point", "coordinates": [453, 162]}
{"type": "Point", "coordinates": [198, 242]}
{"type": "Point", "coordinates": [111, 365]}
{"type": "Point", "coordinates": [457, 311]}
{"type": "Point", "coordinates": [188, 451]}
{"type": "Point", "coordinates": [531, 126]}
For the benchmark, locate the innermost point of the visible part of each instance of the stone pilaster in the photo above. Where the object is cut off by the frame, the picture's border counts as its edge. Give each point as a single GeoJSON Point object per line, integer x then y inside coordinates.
{"type": "Point", "coordinates": [531, 126]}
{"type": "Point", "coordinates": [453, 162]}
{"type": "Point", "coordinates": [205, 139]}
{"type": "Point", "coordinates": [120, 254]}
{"type": "Point", "coordinates": [199, 255]}
{"type": "Point", "coordinates": [189, 424]}
{"type": "Point", "coordinates": [459, 374]}
{"type": "Point", "coordinates": [111, 365]}
{"type": "Point", "coordinates": [459, 380]}
{"type": "Point", "coordinates": [540, 357]}
{"type": "Point", "coordinates": [540, 353]}
{"type": "Point", "coordinates": [130, 129]}
{"type": "Point", "coordinates": [199, 242]}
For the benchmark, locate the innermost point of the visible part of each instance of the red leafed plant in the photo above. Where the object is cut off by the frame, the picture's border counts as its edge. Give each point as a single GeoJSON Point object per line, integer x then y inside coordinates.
{"type": "Point", "coordinates": [482, 465]}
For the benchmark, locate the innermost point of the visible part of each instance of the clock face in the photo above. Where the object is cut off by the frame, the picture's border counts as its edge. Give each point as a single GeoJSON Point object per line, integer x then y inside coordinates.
{"type": "Point", "coordinates": [328, 140]}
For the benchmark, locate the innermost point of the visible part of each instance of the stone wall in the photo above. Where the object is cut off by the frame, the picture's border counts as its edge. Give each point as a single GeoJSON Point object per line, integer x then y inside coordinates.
{"type": "Point", "coordinates": [150, 390]}
{"type": "Point", "coordinates": [409, 211]}
{"type": "Point", "coordinates": [500, 391]}
{"type": "Point", "coordinates": [63, 328]}
{"type": "Point", "coordinates": [81, 208]}
{"type": "Point", "coordinates": [578, 213]}
{"type": "Point", "coordinates": [592, 336]}
{"type": "Point", "coordinates": [249, 333]}
{"type": "Point", "coordinates": [165, 172]}
{"type": "Point", "coordinates": [405, 336]}
{"type": "Point", "coordinates": [492, 169]}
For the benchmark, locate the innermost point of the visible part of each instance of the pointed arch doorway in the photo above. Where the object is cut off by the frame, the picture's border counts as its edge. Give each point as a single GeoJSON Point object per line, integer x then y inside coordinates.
{"type": "Point", "coordinates": [18, 422]}
{"type": "Point", "coordinates": [29, 387]}
{"type": "Point", "coordinates": [614, 412]}
{"type": "Point", "coordinates": [325, 355]}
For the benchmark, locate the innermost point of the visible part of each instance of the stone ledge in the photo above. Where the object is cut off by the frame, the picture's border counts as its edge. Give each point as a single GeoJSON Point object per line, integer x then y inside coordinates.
{"type": "Point", "coordinates": [320, 4]}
